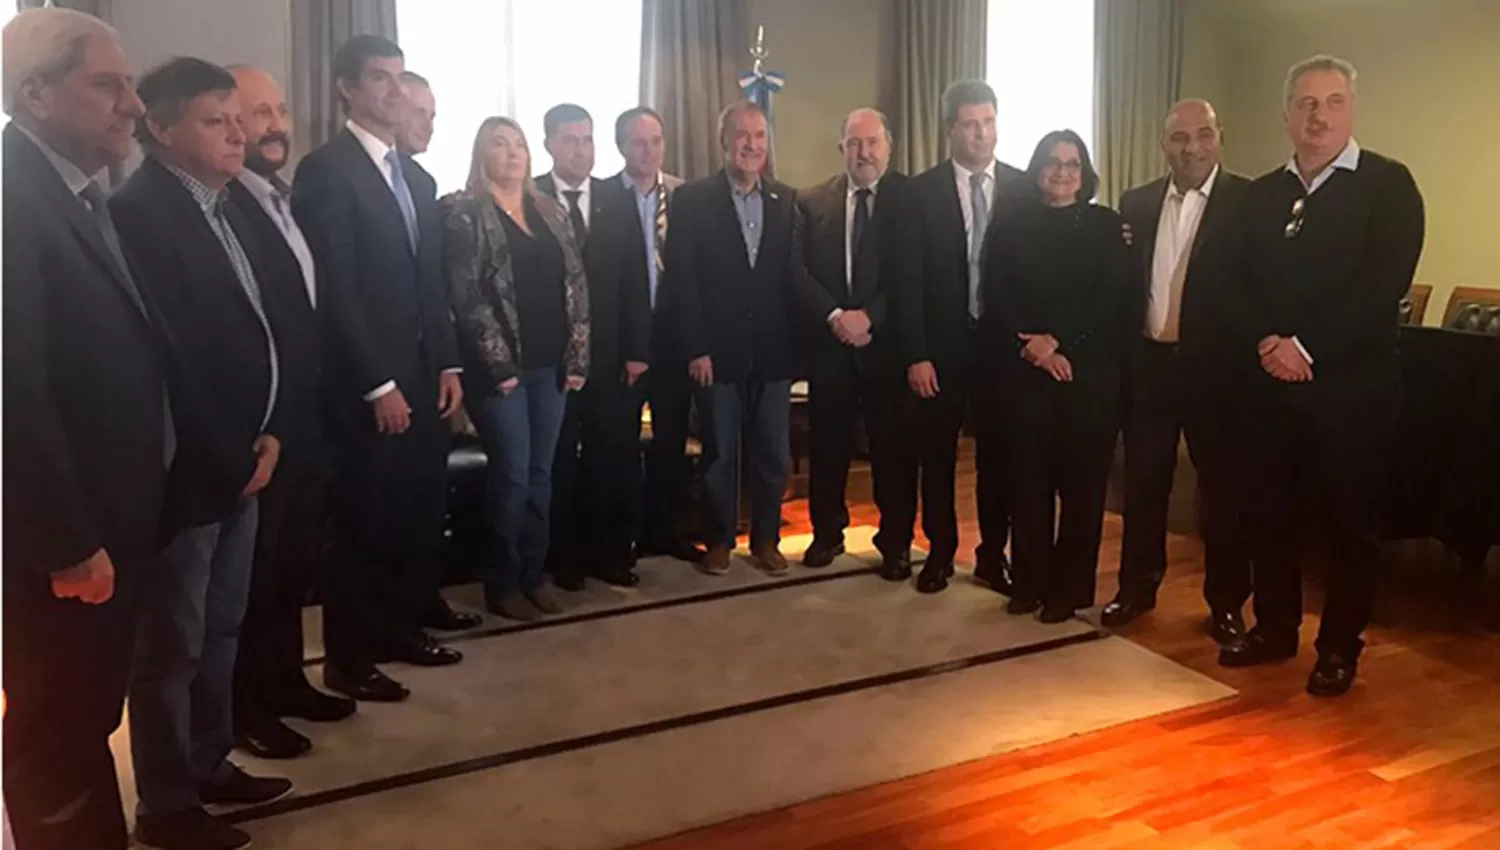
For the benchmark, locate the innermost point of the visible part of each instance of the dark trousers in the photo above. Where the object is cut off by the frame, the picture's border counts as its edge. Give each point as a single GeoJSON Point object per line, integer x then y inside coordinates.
{"type": "Point", "coordinates": [839, 390]}
{"type": "Point", "coordinates": [923, 446]}
{"type": "Point", "coordinates": [760, 413]}
{"type": "Point", "coordinates": [1170, 397]}
{"type": "Point", "coordinates": [1326, 444]}
{"type": "Point", "coordinates": [1062, 442]}
{"type": "Point", "coordinates": [67, 668]}
{"type": "Point", "coordinates": [390, 499]}
{"type": "Point", "coordinates": [667, 388]}
{"type": "Point", "coordinates": [596, 479]}
{"type": "Point", "coordinates": [288, 562]}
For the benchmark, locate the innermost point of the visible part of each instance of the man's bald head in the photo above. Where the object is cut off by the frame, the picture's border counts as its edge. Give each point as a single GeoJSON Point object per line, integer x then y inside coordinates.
{"type": "Point", "coordinates": [265, 118]}
{"type": "Point", "coordinates": [1192, 142]}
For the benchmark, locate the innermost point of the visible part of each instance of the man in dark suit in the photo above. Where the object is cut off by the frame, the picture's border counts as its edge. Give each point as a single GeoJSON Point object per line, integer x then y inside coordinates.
{"type": "Point", "coordinates": [371, 217]}
{"type": "Point", "coordinates": [936, 303]}
{"type": "Point", "coordinates": [736, 259]}
{"type": "Point", "coordinates": [86, 437]}
{"type": "Point", "coordinates": [1331, 242]}
{"type": "Point", "coordinates": [850, 218]}
{"type": "Point", "coordinates": [1179, 380]}
{"type": "Point", "coordinates": [201, 265]}
{"type": "Point", "coordinates": [595, 473]}
{"type": "Point", "coordinates": [639, 134]}
{"type": "Point", "coordinates": [269, 681]}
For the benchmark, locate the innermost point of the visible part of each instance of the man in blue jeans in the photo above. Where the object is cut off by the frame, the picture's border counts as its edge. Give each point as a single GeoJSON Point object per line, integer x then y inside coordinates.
{"type": "Point", "coordinates": [734, 249]}
{"type": "Point", "coordinates": [203, 272]}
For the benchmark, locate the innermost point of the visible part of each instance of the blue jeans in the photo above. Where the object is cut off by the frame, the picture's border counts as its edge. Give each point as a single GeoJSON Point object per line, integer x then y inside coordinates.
{"type": "Point", "coordinates": [761, 411]}
{"type": "Point", "coordinates": [519, 432]}
{"type": "Point", "coordinates": [189, 609]}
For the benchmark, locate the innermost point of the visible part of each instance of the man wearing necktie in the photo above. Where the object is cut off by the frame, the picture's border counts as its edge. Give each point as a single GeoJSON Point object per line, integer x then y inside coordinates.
{"type": "Point", "coordinates": [269, 681]}
{"type": "Point", "coordinates": [937, 309]}
{"type": "Point", "coordinates": [596, 470]}
{"type": "Point", "coordinates": [86, 433]}
{"type": "Point", "coordinates": [845, 322]}
{"type": "Point", "coordinates": [370, 215]}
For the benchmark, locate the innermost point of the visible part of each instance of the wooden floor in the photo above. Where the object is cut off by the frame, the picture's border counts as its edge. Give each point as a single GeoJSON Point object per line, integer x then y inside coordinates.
{"type": "Point", "coordinates": [1409, 759]}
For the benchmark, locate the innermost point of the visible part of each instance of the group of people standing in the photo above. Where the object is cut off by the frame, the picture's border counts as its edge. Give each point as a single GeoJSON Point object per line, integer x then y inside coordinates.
{"type": "Point", "coordinates": [212, 373]}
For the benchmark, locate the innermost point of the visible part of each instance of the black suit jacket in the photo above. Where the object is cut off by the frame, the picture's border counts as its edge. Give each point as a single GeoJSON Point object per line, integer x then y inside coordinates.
{"type": "Point", "coordinates": [386, 306]}
{"type": "Point", "coordinates": [1205, 323]}
{"type": "Point", "coordinates": [929, 286]}
{"type": "Point", "coordinates": [84, 379]}
{"type": "Point", "coordinates": [220, 348]}
{"type": "Point", "coordinates": [737, 314]}
{"type": "Point", "coordinates": [614, 260]}
{"type": "Point", "coordinates": [824, 211]}
{"type": "Point", "coordinates": [294, 320]}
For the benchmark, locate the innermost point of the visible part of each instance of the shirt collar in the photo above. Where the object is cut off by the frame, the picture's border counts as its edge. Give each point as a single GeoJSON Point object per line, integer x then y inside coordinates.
{"type": "Point", "coordinates": [851, 188]}
{"type": "Point", "coordinates": [260, 187]}
{"type": "Point", "coordinates": [740, 193]}
{"type": "Point", "coordinates": [71, 174]}
{"type": "Point", "coordinates": [1207, 188]}
{"type": "Point", "coordinates": [1348, 159]}
{"type": "Point", "coordinates": [563, 185]}
{"type": "Point", "coordinates": [207, 198]}
{"type": "Point", "coordinates": [629, 183]}
{"type": "Point", "coordinates": [964, 174]}
{"type": "Point", "coordinates": [377, 149]}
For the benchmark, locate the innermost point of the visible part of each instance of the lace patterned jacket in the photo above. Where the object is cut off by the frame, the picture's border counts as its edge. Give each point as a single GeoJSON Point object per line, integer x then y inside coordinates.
{"type": "Point", "coordinates": [482, 286]}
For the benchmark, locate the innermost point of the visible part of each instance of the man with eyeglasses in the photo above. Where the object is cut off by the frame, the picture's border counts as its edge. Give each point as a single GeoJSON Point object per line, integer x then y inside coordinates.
{"type": "Point", "coordinates": [1331, 242]}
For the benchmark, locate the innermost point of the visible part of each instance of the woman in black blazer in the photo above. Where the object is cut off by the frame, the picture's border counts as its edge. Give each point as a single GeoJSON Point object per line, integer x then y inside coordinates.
{"type": "Point", "coordinates": [1056, 282]}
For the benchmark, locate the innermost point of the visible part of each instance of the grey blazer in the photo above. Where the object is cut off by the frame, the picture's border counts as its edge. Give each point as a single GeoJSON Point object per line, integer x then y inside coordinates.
{"type": "Point", "coordinates": [482, 287]}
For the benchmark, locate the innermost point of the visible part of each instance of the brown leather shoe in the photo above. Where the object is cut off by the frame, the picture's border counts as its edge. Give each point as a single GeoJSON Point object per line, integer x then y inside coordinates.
{"type": "Point", "coordinates": [769, 560]}
{"type": "Point", "coordinates": [716, 562]}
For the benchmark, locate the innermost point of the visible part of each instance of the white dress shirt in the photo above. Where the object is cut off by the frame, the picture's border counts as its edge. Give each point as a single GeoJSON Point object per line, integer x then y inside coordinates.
{"type": "Point", "coordinates": [966, 193]}
{"type": "Point", "coordinates": [1176, 230]}
{"type": "Point", "coordinates": [378, 150]}
{"type": "Point", "coordinates": [584, 204]}
{"type": "Point", "coordinates": [278, 207]}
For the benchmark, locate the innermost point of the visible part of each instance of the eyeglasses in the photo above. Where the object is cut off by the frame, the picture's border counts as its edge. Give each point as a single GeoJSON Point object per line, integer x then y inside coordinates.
{"type": "Point", "coordinates": [1294, 226]}
{"type": "Point", "coordinates": [1072, 166]}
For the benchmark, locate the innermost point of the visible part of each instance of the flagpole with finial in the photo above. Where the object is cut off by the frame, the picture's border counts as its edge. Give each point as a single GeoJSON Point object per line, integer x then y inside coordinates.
{"type": "Point", "coordinates": [759, 85]}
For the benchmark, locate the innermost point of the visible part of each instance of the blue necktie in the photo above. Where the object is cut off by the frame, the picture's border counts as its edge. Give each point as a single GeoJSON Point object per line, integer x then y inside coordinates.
{"type": "Point", "coordinates": [403, 196]}
{"type": "Point", "coordinates": [981, 220]}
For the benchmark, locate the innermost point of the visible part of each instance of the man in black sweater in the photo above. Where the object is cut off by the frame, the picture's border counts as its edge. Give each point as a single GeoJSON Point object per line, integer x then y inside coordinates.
{"type": "Point", "coordinates": [1330, 246]}
{"type": "Point", "coordinates": [1185, 248]}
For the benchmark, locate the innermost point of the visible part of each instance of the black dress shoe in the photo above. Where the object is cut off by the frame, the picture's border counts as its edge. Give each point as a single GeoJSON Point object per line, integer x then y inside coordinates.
{"type": "Point", "coordinates": [616, 577]}
{"type": "Point", "coordinates": [1023, 605]}
{"type": "Point", "coordinates": [934, 575]}
{"type": "Point", "coordinates": [1054, 614]}
{"type": "Point", "coordinates": [269, 738]}
{"type": "Point", "coordinates": [995, 573]}
{"type": "Point", "coordinates": [193, 829]}
{"type": "Point", "coordinates": [1257, 647]}
{"type": "Point", "coordinates": [309, 703]}
{"type": "Point", "coordinates": [896, 566]}
{"type": "Point", "coordinates": [569, 579]}
{"type": "Point", "coordinates": [678, 549]}
{"type": "Point", "coordinates": [446, 619]}
{"type": "Point", "coordinates": [421, 650]}
{"type": "Point", "coordinates": [1225, 627]}
{"type": "Point", "coordinates": [363, 682]}
{"type": "Point", "coordinates": [1333, 676]}
{"type": "Point", "coordinates": [822, 552]}
{"type": "Point", "coordinates": [1123, 609]}
{"type": "Point", "coordinates": [242, 789]}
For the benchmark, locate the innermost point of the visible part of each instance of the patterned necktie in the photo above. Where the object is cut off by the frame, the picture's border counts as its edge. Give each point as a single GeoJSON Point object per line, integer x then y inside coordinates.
{"type": "Point", "coordinates": [661, 225]}
{"type": "Point", "coordinates": [403, 196]}
{"type": "Point", "coordinates": [981, 220]}
{"type": "Point", "coordinates": [575, 213]}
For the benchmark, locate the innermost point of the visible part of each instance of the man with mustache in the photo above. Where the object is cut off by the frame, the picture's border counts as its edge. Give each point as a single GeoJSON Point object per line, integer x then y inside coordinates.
{"type": "Point", "coordinates": [1331, 242]}
{"type": "Point", "coordinates": [1180, 379]}
{"type": "Point", "coordinates": [269, 683]}
{"type": "Point", "coordinates": [734, 249]}
{"type": "Point", "coordinates": [849, 225]}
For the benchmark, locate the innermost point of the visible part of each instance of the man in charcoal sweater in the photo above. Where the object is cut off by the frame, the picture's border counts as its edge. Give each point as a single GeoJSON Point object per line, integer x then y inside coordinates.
{"type": "Point", "coordinates": [1330, 246]}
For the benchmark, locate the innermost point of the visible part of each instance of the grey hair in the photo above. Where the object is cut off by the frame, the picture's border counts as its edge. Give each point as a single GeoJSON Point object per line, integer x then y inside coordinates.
{"type": "Point", "coordinates": [731, 113]}
{"type": "Point", "coordinates": [1321, 62]}
{"type": "Point", "coordinates": [46, 44]}
{"type": "Point", "coordinates": [884, 122]}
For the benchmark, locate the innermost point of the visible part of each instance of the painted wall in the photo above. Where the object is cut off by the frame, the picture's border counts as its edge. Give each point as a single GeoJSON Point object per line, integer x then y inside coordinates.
{"type": "Point", "coordinates": [257, 32]}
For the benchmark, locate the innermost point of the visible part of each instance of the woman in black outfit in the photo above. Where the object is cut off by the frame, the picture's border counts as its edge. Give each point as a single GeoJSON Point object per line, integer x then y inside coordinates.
{"type": "Point", "coordinates": [1056, 281]}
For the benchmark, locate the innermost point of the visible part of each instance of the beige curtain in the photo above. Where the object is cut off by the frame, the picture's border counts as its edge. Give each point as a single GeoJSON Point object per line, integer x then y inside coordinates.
{"type": "Point", "coordinates": [691, 54]}
{"type": "Point", "coordinates": [937, 42]}
{"type": "Point", "coordinates": [319, 27]}
{"type": "Point", "coordinates": [1137, 78]}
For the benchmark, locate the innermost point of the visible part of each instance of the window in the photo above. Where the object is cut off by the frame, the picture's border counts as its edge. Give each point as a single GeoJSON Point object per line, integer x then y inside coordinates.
{"type": "Point", "coordinates": [519, 58]}
{"type": "Point", "coordinates": [1041, 66]}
